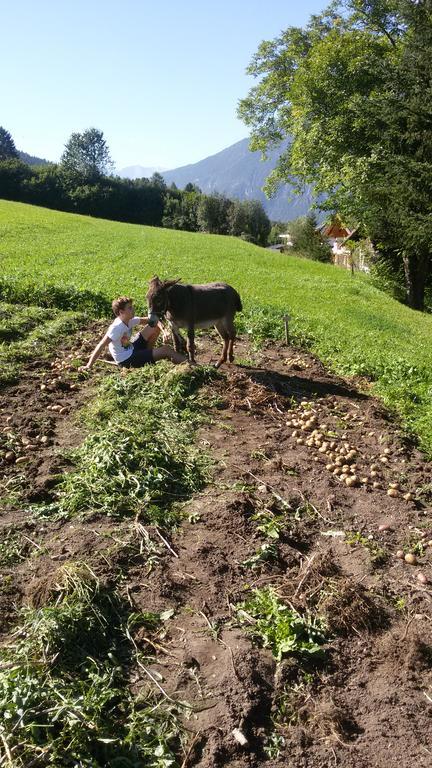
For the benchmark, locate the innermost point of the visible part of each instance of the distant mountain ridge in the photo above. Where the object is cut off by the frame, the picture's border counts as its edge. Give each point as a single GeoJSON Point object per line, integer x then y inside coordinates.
{"type": "Point", "coordinates": [239, 173]}
{"type": "Point", "coordinates": [139, 172]}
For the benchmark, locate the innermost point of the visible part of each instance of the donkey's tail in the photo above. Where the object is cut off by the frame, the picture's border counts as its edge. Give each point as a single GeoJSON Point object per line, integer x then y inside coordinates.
{"type": "Point", "coordinates": [238, 303]}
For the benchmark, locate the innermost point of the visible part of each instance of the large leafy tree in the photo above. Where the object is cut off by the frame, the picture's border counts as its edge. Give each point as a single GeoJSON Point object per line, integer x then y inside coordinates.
{"type": "Point", "coordinates": [213, 212]}
{"type": "Point", "coordinates": [8, 150]}
{"type": "Point", "coordinates": [86, 156]}
{"type": "Point", "coordinates": [354, 91]}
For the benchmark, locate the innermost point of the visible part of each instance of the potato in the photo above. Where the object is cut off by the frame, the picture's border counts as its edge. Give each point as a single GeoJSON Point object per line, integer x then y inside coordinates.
{"type": "Point", "coordinates": [352, 481]}
{"type": "Point", "coordinates": [410, 558]}
{"type": "Point", "coordinates": [409, 496]}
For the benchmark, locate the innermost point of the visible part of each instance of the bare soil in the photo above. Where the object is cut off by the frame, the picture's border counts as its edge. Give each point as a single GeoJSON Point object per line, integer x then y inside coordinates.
{"type": "Point", "coordinates": [370, 702]}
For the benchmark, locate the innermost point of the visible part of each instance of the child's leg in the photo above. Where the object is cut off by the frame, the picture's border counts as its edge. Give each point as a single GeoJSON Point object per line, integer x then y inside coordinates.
{"type": "Point", "coordinates": [168, 353]}
{"type": "Point", "coordinates": [150, 335]}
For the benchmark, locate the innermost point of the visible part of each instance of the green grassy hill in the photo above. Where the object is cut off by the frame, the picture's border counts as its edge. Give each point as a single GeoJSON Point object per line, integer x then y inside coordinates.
{"type": "Point", "coordinates": [351, 325]}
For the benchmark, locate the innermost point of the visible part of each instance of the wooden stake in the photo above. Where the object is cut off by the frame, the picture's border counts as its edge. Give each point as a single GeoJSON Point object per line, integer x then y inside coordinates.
{"type": "Point", "coordinates": [286, 321]}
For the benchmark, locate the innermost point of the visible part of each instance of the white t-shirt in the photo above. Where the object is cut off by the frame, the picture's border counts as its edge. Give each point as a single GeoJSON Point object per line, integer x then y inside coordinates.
{"type": "Point", "coordinates": [120, 333]}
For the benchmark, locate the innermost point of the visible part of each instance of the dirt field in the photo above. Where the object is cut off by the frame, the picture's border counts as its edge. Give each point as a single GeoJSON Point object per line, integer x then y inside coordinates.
{"type": "Point", "coordinates": [369, 701]}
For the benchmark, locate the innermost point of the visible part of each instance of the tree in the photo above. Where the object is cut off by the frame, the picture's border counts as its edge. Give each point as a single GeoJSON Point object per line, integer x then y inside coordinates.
{"type": "Point", "coordinates": [13, 177]}
{"type": "Point", "coordinates": [306, 239]}
{"type": "Point", "coordinates": [354, 91]}
{"type": "Point", "coordinates": [8, 150]}
{"type": "Point", "coordinates": [248, 219]}
{"type": "Point", "coordinates": [213, 212]}
{"type": "Point", "coordinates": [277, 229]}
{"type": "Point", "coordinates": [86, 157]}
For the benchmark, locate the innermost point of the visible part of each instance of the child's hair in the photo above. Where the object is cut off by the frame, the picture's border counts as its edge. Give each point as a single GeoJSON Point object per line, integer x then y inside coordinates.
{"type": "Point", "coordinates": [120, 303]}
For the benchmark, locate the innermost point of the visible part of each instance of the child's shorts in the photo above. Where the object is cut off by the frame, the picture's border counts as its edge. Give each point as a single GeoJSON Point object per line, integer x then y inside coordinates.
{"type": "Point", "coordinates": [140, 356]}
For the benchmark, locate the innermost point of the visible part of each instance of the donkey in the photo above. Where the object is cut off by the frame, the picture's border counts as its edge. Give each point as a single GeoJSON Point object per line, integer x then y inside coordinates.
{"type": "Point", "coordinates": [195, 306]}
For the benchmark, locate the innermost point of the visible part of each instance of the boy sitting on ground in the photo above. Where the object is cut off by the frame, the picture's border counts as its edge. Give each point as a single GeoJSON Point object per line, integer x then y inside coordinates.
{"type": "Point", "coordinates": [140, 350]}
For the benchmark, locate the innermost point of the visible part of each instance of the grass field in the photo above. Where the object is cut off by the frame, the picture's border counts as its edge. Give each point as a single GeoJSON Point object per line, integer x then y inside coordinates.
{"type": "Point", "coordinates": [352, 326]}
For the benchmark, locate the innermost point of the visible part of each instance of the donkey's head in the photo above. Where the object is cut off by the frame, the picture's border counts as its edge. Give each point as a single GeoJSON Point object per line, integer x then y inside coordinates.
{"type": "Point", "coordinates": [157, 298]}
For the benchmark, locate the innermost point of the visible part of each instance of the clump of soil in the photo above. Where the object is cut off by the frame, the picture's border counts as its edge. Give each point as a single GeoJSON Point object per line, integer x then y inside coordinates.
{"type": "Point", "coordinates": [348, 607]}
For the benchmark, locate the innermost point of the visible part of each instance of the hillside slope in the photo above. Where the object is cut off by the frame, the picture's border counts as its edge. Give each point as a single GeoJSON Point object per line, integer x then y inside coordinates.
{"type": "Point", "coordinates": [351, 325]}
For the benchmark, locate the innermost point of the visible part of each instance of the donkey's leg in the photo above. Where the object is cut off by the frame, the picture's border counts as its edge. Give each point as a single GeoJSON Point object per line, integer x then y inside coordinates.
{"type": "Point", "coordinates": [220, 327]}
{"type": "Point", "coordinates": [177, 338]}
{"type": "Point", "coordinates": [191, 344]}
{"type": "Point", "coordinates": [231, 331]}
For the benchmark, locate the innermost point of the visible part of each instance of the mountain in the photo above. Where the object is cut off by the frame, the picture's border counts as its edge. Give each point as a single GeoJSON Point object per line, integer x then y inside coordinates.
{"type": "Point", "coordinates": [238, 172]}
{"type": "Point", "coordinates": [31, 160]}
{"type": "Point", "coordinates": [138, 172]}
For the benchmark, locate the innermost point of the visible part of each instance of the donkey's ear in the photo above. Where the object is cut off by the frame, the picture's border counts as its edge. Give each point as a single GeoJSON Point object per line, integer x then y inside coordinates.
{"type": "Point", "coordinates": [170, 283]}
{"type": "Point", "coordinates": [155, 281]}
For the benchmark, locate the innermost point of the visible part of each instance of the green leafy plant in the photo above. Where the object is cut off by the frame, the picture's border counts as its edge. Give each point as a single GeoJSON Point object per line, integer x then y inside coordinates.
{"type": "Point", "coordinates": [378, 555]}
{"type": "Point", "coordinates": [266, 553]}
{"type": "Point", "coordinates": [279, 627]}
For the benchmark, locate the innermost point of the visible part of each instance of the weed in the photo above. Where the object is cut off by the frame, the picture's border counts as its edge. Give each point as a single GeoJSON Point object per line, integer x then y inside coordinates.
{"type": "Point", "coordinates": [12, 489]}
{"type": "Point", "coordinates": [279, 627]}
{"type": "Point", "coordinates": [12, 548]}
{"type": "Point", "coordinates": [378, 555]}
{"type": "Point", "coordinates": [269, 523]}
{"type": "Point", "coordinates": [273, 744]}
{"type": "Point", "coordinates": [400, 604]}
{"type": "Point", "coordinates": [415, 544]}
{"type": "Point", "coordinates": [260, 456]}
{"type": "Point", "coordinates": [267, 553]}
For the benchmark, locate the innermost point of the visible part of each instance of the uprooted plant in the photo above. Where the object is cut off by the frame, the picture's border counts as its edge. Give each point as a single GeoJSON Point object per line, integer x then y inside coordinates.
{"type": "Point", "coordinates": [139, 456]}
{"type": "Point", "coordinates": [64, 693]}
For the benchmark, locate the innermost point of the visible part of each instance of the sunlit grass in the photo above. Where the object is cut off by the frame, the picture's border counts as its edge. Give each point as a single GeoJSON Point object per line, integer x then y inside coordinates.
{"type": "Point", "coordinates": [351, 325]}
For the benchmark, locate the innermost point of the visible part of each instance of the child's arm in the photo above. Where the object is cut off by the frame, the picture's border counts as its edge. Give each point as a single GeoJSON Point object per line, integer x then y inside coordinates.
{"type": "Point", "coordinates": [97, 352]}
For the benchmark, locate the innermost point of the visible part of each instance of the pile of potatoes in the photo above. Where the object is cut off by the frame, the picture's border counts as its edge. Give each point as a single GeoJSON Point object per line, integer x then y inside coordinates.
{"type": "Point", "coordinates": [17, 450]}
{"type": "Point", "coordinates": [342, 458]}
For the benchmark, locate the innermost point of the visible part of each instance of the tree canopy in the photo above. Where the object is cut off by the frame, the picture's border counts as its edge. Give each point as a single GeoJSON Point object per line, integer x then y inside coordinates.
{"type": "Point", "coordinates": [8, 150]}
{"type": "Point", "coordinates": [87, 156]}
{"type": "Point", "coordinates": [353, 90]}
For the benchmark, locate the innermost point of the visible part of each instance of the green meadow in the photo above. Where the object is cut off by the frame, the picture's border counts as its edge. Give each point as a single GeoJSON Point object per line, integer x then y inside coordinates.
{"type": "Point", "coordinates": [70, 262]}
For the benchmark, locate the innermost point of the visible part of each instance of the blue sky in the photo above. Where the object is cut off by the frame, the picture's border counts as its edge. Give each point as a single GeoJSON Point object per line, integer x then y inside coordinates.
{"type": "Point", "coordinates": [161, 79]}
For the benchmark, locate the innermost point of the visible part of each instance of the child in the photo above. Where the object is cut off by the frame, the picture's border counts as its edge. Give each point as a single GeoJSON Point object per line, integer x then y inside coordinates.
{"type": "Point", "coordinates": [139, 351]}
